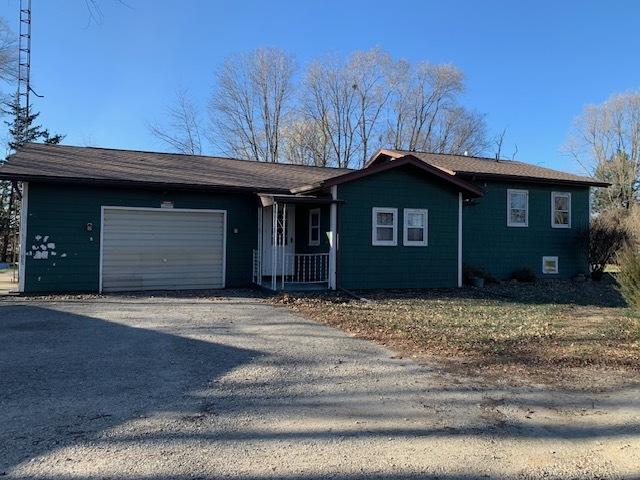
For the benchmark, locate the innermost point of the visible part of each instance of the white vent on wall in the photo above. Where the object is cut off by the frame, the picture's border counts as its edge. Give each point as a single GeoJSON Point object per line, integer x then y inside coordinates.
{"type": "Point", "coordinates": [549, 265]}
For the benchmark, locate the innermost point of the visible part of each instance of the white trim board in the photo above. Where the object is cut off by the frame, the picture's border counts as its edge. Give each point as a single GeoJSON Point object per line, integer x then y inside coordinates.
{"type": "Point", "coordinates": [333, 240]}
{"type": "Point", "coordinates": [166, 210]}
{"type": "Point", "coordinates": [460, 239]}
{"type": "Point", "coordinates": [24, 216]}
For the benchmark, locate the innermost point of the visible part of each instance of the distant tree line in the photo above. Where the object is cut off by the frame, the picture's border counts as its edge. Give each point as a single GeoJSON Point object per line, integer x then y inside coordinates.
{"type": "Point", "coordinates": [335, 112]}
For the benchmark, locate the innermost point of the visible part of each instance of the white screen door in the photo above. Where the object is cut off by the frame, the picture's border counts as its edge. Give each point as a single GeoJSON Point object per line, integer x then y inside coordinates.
{"type": "Point", "coordinates": [268, 239]}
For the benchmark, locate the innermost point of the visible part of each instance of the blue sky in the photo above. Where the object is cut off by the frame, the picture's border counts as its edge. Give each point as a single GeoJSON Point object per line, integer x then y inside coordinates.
{"type": "Point", "coordinates": [531, 66]}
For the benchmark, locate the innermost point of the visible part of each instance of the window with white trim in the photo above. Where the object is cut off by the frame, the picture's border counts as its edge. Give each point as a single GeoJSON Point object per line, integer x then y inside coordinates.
{"type": "Point", "coordinates": [384, 226]}
{"type": "Point", "coordinates": [517, 208]}
{"type": "Point", "coordinates": [549, 265]}
{"type": "Point", "coordinates": [314, 227]}
{"type": "Point", "coordinates": [560, 210]}
{"type": "Point", "coordinates": [415, 227]}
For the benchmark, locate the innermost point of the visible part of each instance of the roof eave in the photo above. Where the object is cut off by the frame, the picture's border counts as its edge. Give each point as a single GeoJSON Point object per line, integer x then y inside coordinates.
{"type": "Point", "coordinates": [146, 184]}
{"type": "Point", "coordinates": [527, 179]}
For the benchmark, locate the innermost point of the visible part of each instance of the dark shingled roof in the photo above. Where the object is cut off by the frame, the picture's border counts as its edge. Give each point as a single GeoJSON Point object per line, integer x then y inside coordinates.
{"type": "Point", "coordinates": [487, 167]}
{"type": "Point", "coordinates": [38, 162]}
{"type": "Point", "coordinates": [103, 165]}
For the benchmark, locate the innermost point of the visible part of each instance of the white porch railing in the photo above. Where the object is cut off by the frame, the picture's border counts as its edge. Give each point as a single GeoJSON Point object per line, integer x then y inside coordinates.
{"type": "Point", "coordinates": [298, 268]}
{"type": "Point", "coordinates": [307, 268]}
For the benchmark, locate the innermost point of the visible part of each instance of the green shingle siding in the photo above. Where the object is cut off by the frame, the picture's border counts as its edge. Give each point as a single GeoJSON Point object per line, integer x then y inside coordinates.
{"type": "Point", "coordinates": [58, 214]}
{"type": "Point", "coordinates": [362, 265]}
{"type": "Point", "coordinates": [489, 244]}
{"type": "Point", "coordinates": [61, 213]}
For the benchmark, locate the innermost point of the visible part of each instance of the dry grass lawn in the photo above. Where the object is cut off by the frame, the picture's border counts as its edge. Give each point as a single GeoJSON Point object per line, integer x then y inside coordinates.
{"type": "Point", "coordinates": [548, 332]}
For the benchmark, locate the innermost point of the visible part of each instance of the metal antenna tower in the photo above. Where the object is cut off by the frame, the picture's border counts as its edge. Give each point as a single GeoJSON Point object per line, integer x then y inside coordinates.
{"type": "Point", "coordinates": [24, 57]}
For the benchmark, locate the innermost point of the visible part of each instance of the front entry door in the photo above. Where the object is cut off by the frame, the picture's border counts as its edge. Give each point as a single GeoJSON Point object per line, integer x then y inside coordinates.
{"type": "Point", "coordinates": [268, 241]}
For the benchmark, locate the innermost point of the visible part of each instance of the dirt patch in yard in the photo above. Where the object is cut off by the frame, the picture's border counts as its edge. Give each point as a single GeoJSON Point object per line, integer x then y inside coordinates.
{"type": "Point", "coordinates": [578, 335]}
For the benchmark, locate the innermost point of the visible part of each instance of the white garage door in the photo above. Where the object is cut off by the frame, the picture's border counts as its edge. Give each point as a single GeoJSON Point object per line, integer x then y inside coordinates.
{"type": "Point", "coordinates": [162, 249]}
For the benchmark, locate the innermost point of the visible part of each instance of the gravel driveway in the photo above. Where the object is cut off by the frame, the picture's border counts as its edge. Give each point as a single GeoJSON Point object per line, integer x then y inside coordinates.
{"type": "Point", "coordinates": [161, 388]}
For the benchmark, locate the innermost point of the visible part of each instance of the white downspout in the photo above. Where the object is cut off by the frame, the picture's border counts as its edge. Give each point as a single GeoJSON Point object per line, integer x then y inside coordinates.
{"type": "Point", "coordinates": [459, 239]}
{"type": "Point", "coordinates": [274, 244]}
{"type": "Point", "coordinates": [284, 242]}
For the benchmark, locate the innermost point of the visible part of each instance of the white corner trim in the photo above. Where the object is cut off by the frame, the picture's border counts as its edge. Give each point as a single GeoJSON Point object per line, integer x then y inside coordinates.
{"type": "Point", "coordinates": [553, 208]}
{"type": "Point", "coordinates": [405, 228]}
{"type": "Point", "coordinates": [333, 239]}
{"type": "Point", "coordinates": [24, 214]}
{"type": "Point", "coordinates": [224, 249]}
{"type": "Point", "coordinates": [526, 215]}
{"type": "Point", "coordinates": [101, 246]}
{"type": "Point", "coordinates": [374, 224]}
{"type": "Point", "coordinates": [459, 239]}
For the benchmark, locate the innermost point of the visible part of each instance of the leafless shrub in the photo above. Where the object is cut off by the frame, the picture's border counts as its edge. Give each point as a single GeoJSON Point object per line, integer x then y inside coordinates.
{"type": "Point", "coordinates": [629, 276]}
{"type": "Point", "coordinates": [607, 236]}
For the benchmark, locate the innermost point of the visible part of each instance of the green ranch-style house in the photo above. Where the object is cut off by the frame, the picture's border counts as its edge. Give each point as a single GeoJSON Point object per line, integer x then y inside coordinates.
{"type": "Point", "coordinates": [104, 220]}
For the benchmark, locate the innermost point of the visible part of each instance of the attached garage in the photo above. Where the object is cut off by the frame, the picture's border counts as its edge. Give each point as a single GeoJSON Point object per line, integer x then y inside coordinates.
{"type": "Point", "coordinates": [162, 249]}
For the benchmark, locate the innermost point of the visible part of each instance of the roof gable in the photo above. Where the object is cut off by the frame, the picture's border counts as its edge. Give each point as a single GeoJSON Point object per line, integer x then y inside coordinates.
{"type": "Point", "coordinates": [411, 160]}
{"type": "Point", "coordinates": [468, 166]}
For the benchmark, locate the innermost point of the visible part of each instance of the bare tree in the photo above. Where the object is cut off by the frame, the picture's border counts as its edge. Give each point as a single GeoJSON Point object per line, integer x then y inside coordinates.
{"type": "Point", "coordinates": [8, 53]}
{"type": "Point", "coordinates": [306, 143]}
{"type": "Point", "coordinates": [460, 131]}
{"type": "Point", "coordinates": [422, 92]}
{"type": "Point", "coordinates": [498, 140]}
{"type": "Point", "coordinates": [249, 103]}
{"type": "Point", "coordinates": [371, 74]}
{"type": "Point", "coordinates": [331, 103]}
{"type": "Point", "coordinates": [182, 128]}
{"type": "Point", "coordinates": [605, 141]}
{"type": "Point", "coordinates": [425, 113]}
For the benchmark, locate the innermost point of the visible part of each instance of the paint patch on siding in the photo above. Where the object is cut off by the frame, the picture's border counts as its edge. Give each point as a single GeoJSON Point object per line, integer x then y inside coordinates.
{"type": "Point", "coordinates": [41, 251]}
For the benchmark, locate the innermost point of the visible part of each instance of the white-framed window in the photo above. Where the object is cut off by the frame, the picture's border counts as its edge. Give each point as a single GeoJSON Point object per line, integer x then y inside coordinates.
{"type": "Point", "coordinates": [416, 227]}
{"type": "Point", "coordinates": [384, 226]}
{"type": "Point", "coordinates": [314, 227]}
{"type": "Point", "coordinates": [560, 210]}
{"type": "Point", "coordinates": [517, 208]}
{"type": "Point", "coordinates": [549, 265]}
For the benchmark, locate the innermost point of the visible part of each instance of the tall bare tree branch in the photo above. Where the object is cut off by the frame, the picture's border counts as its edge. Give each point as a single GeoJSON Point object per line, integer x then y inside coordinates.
{"type": "Point", "coordinates": [605, 142]}
{"type": "Point", "coordinates": [250, 101]}
{"type": "Point", "coordinates": [181, 130]}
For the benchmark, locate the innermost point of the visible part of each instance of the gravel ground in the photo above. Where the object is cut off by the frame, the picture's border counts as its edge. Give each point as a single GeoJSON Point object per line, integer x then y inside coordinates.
{"type": "Point", "coordinates": [165, 388]}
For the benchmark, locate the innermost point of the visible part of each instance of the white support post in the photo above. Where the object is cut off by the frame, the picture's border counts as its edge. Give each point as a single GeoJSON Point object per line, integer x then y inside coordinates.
{"type": "Point", "coordinates": [333, 239]}
{"type": "Point", "coordinates": [24, 213]}
{"type": "Point", "coordinates": [260, 240]}
{"type": "Point", "coordinates": [459, 239]}
{"type": "Point", "coordinates": [284, 242]}
{"type": "Point", "coordinates": [274, 244]}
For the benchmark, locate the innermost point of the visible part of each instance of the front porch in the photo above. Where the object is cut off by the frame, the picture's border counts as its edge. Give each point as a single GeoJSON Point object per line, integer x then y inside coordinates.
{"type": "Point", "coordinates": [296, 243]}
